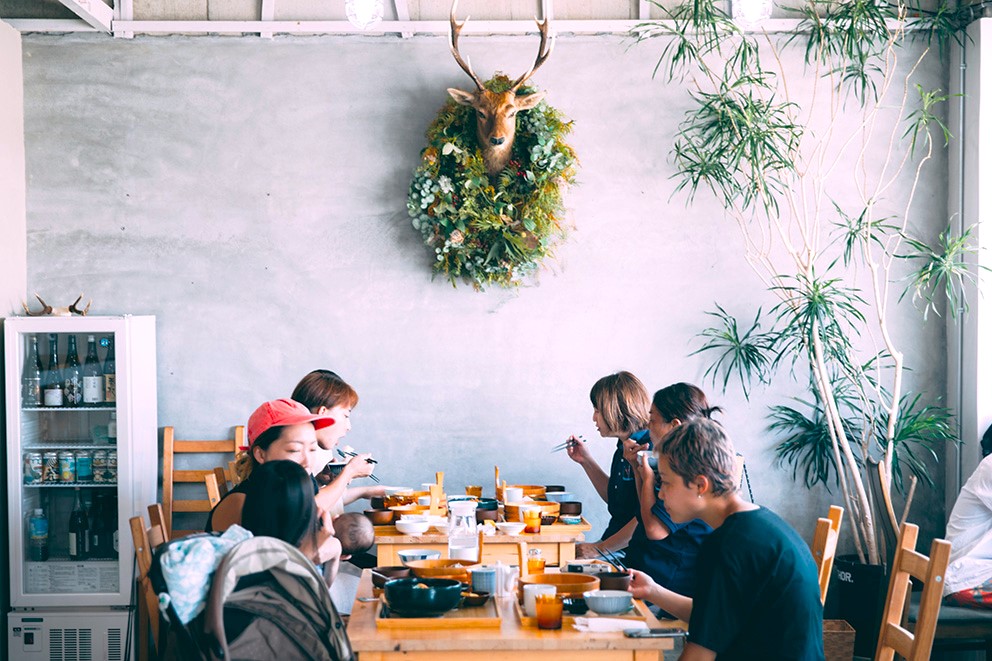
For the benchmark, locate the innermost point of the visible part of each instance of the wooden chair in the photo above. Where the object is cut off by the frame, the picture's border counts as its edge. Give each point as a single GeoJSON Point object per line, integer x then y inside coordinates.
{"type": "Point", "coordinates": [171, 476]}
{"type": "Point", "coordinates": [217, 486]}
{"type": "Point", "coordinates": [893, 637]}
{"type": "Point", "coordinates": [825, 546]}
{"type": "Point", "coordinates": [145, 542]}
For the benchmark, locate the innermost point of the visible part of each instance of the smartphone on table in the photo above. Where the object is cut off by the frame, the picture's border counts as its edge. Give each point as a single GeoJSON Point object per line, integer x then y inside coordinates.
{"type": "Point", "coordinates": [654, 633]}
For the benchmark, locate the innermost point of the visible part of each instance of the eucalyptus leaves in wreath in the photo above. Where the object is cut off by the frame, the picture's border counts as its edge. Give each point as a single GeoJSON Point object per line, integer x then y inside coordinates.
{"type": "Point", "coordinates": [492, 229]}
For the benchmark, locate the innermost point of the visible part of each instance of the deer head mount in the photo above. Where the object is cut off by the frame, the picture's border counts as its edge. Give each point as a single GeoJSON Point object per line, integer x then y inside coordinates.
{"type": "Point", "coordinates": [57, 312]}
{"type": "Point", "coordinates": [496, 112]}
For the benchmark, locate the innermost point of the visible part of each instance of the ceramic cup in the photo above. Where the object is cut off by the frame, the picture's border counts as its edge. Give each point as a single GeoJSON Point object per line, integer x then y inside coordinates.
{"type": "Point", "coordinates": [484, 579]}
{"type": "Point", "coordinates": [506, 580]}
{"type": "Point", "coordinates": [531, 590]}
{"type": "Point", "coordinates": [513, 494]}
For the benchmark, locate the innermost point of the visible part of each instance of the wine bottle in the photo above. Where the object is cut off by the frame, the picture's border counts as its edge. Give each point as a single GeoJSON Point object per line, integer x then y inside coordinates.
{"type": "Point", "coordinates": [92, 374]}
{"type": "Point", "coordinates": [38, 536]}
{"type": "Point", "coordinates": [79, 527]}
{"type": "Point", "coordinates": [52, 378]}
{"type": "Point", "coordinates": [31, 379]}
{"type": "Point", "coordinates": [98, 533]}
{"type": "Point", "coordinates": [109, 372]}
{"type": "Point", "coordinates": [73, 376]}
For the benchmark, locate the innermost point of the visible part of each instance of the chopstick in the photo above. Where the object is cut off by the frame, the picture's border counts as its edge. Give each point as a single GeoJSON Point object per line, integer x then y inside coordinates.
{"type": "Point", "coordinates": [612, 559]}
{"type": "Point", "coordinates": [567, 444]}
{"type": "Point", "coordinates": [371, 476]}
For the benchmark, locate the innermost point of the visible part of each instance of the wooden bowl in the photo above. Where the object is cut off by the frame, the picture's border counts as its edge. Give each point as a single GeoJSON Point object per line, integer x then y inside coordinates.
{"type": "Point", "coordinates": [382, 574]}
{"type": "Point", "coordinates": [571, 507]}
{"type": "Point", "coordinates": [380, 517]}
{"type": "Point", "coordinates": [531, 490]}
{"type": "Point", "coordinates": [400, 510]}
{"type": "Point", "coordinates": [447, 568]}
{"type": "Point", "coordinates": [567, 585]}
{"type": "Point", "coordinates": [511, 511]}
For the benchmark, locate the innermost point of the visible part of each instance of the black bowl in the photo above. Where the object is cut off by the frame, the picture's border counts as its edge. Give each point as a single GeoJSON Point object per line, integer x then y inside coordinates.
{"type": "Point", "coordinates": [575, 605]}
{"type": "Point", "coordinates": [554, 487]}
{"type": "Point", "coordinates": [382, 574]}
{"type": "Point", "coordinates": [487, 504]}
{"type": "Point", "coordinates": [422, 597]}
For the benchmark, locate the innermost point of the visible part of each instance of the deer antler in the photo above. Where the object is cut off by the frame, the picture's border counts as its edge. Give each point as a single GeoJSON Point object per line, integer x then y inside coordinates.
{"type": "Point", "coordinates": [542, 54]}
{"type": "Point", "coordinates": [456, 30]}
{"type": "Point", "coordinates": [47, 308]}
{"type": "Point", "coordinates": [74, 309]}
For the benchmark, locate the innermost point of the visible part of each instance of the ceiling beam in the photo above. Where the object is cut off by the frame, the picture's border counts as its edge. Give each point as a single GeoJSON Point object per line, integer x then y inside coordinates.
{"type": "Point", "coordinates": [94, 12]}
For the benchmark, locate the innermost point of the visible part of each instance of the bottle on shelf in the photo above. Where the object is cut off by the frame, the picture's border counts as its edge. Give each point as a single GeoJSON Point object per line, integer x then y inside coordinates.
{"type": "Point", "coordinates": [38, 536]}
{"type": "Point", "coordinates": [109, 371]}
{"type": "Point", "coordinates": [99, 537]}
{"type": "Point", "coordinates": [52, 378]}
{"type": "Point", "coordinates": [31, 378]}
{"type": "Point", "coordinates": [110, 513]}
{"type": "Point", "coordinates": [73, 376]}
{"type": "Point", "coordinates": [93, 392]}
{"type": "Point", "coordinates": [79, 527]}
{"type": "Point", "coordinates": [112, 428]}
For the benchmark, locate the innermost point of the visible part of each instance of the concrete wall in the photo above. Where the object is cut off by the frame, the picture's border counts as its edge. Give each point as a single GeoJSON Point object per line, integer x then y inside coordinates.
{"type": "Point", "coordinates": [252, 195]}
{"type": "Point", "coordinates": [13, 246]}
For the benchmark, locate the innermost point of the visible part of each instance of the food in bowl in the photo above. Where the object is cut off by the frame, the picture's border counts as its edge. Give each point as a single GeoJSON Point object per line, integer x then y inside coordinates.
{"type": "Point", "coordinates": [608, 602]}
{"type": "Point", "coordinates": [510, 527]}
{"type": "Point", "coordinates": [409, 555]}
{"type": "Point", "coordinates": [422, 597]}
{"type": "Point", "coordinates": [474, 598]}
{"type": "Point", "coordinates": [412, 527]}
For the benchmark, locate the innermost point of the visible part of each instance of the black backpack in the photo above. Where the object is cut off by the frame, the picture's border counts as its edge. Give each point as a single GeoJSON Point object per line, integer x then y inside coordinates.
{"type": "Point", "coordinates": [266, 601]}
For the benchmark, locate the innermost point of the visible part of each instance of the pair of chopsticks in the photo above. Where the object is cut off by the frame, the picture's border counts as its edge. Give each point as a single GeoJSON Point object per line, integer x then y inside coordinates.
{"type": "Point", "coordinates": [347, 455]}
{"type": "Point", "coordinates": [567, 444]}
{"type": "Point", "coordinates": [611, 558]}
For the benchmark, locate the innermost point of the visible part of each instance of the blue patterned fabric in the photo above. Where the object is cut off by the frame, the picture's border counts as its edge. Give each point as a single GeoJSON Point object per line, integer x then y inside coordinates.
{"type": "Point", "coordinates": [189, 564]}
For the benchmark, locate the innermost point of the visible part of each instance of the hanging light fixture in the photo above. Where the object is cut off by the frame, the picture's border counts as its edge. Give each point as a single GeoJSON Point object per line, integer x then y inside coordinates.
{"type": "Point", "coordinates": [748, 13]}
{"type": "Point", "coordinates": [363, 14]}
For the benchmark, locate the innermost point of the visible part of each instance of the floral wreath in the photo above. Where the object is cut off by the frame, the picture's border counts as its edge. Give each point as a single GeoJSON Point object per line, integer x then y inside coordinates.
{"type": "Point", "coordinates": [492, 229]}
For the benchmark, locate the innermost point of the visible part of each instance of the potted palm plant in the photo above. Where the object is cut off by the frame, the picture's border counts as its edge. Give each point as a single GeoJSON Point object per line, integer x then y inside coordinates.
{"type": "Point", "coordinates": [821, 189]}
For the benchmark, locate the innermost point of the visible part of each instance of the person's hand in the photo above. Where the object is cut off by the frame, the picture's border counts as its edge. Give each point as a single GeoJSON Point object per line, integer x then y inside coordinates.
{"type": "Point", "coordinates": [328, 546]}
{"type": "Point", "coordinates": [630, 450]}
{"type": "Point", "coordinates": [647, 473]}
{"type": "Point", "coordinates": [642, 586]}
{"type": "Point", "coordinates": [577, 450]}
{"type": "Point", "coordinates": [586, 551]}
{"type": "Point", "coordinates": [359, 467]}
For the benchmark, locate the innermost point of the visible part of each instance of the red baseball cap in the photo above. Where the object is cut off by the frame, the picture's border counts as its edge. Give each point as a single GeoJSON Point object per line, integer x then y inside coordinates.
{"type": "Point", "coordinates": [281, 413]}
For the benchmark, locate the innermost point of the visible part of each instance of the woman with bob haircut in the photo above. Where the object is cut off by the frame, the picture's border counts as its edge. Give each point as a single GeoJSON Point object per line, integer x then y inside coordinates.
{"type": "Point", "coordinates": [662, 548]}
{"type": "Point", "coordinates": [620, 406]}
{"type": "Point", "coordinates": [325, 393]}
{"type": "Point", "coordinates": [756, 591]}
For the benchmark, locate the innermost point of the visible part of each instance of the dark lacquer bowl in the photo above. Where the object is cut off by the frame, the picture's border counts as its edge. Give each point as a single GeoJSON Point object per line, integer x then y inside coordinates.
{"type": "Point", "coordinates": [614, 580]}
{"type": "Point", "coordinates": [422, 597]}
{"type": "Point", "coordinates": [380, 517]}
{"type": "Point", "coordinates": [382, 574]}
{"type": "Point", "coordinates": [487, 504]}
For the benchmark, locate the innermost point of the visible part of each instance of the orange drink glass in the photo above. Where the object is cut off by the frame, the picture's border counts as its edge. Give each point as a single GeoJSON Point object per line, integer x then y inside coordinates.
{"type": "Point", "coordinates": [548, 608]}
{"type": "Point", "coordinates": [473, 490]}
{"type": "Point", "coordinates": [532, 519]}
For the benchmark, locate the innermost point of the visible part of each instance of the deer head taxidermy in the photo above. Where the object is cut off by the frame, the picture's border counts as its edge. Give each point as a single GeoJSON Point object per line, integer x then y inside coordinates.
{"type": "Point", "coordinates": [57, 312]}
{"type": "Point", "coordinates": [496, 112]}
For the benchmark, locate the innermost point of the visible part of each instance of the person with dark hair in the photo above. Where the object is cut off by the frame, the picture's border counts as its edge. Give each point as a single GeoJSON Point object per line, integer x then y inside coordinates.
{"type": "Point", "coordinates": [968, 580]}
{"type": "Point", "coordinates": [355, 532]}
{"type": "Point", "coordinates": [279, 503]}
{"type": "Point", "coordinates": [757, 594]}
{"type": "Point", "coordinates": [661, 547]}
{"type": "Point", "coordinates": [620, 410]}
{"type": "Point", "coordinates": [325, 393]}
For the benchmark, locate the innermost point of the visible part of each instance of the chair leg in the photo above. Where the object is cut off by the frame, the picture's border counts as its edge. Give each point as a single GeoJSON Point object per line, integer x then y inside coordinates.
{"type": "Point", "coordinates": [143, 631]}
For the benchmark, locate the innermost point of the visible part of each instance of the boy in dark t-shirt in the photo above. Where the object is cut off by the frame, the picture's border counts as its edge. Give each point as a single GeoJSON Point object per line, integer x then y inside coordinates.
{"type": "Point", "coordinates": [757, 595]}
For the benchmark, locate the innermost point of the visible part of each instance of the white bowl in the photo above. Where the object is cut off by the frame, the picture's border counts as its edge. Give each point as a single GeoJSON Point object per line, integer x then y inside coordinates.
{"type": "Point", "coordinates": [412, 527]}
{"type": "Point", "coordinates": [511, 527]}
{"type": "Point", "coordinates": [409, 555]}
{"type": "Point", "coordinates": [560, 496]}
{"type": "Point", "coordinates": [608, 602]}
{"type": "Point", "coordinates": [413, 518]}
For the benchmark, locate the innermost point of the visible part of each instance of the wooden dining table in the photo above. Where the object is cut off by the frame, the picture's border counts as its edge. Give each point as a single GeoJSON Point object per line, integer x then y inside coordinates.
{"type": "Point", "coordinates": [510, 641]}
{"type": "Point", "coordinates": [556, 542]}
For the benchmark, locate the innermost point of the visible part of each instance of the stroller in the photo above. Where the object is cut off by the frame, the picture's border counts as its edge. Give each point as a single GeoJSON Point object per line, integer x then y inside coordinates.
{"type": "Point", "coordinates": [265, 601]}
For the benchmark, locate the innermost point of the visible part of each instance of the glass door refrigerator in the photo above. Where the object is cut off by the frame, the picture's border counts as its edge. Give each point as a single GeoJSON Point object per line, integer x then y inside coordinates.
{"type": "Point", "coordinates": [82, 448]}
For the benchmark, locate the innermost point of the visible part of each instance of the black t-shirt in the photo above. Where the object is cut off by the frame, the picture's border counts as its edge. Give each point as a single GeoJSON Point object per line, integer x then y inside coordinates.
{"type": "Point", "coordinates": [621, 491]}
{"type": "Point", "coordinates": [242, 488]}
{"type": "Point", "coordinates": [757, 592]}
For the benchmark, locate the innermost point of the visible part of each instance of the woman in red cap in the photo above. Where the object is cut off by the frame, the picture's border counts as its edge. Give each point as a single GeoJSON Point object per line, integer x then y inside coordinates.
{"type": "Point", "coordinates": [280, 429]}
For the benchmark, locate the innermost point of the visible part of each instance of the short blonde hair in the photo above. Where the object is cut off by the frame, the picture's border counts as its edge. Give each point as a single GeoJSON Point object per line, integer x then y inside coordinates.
{"type": "Point", "coordinates": [701, 447]}
{"type": "Point", "coordinates": [623, 401]}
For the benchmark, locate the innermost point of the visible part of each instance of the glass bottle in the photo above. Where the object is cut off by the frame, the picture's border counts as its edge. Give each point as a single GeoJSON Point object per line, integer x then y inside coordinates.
{"type": "Point", "coordinates": [31, 378]}
{"type": "Point", "coordinates": [92, 374]}
{"type": "Point", "coordinates": [73, 376]}
{"type": "Point", "coordinates": [463, 540]}
{"type": "Point", "coordinates": [99, 538]}
{"type": "Point", "coordinates": [52, 378]}
{"type": "Point", "coordinates": [79, 526]}
{"type": "Point", "coordinates": [38, 536]}
{"type": "Point", "coordinates": [109, 371]}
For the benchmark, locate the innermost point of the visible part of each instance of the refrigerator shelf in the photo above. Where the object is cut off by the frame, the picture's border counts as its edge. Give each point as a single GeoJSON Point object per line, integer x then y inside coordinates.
{"type": "Point", "coordinates": [52, 485]}
{"type": "Point", "coordinates": [91, 407]}
{"type": "Point", "coordinates": [69, 445]}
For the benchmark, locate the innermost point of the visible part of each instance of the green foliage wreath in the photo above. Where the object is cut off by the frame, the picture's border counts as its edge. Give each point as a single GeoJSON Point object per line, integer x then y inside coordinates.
{"type": "Point", "coordinates": [492, 230]}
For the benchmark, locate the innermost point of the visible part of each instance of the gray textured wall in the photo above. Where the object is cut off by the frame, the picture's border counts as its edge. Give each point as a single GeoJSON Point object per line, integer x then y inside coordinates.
{"type": "Point", "coordinates": [251, 194]}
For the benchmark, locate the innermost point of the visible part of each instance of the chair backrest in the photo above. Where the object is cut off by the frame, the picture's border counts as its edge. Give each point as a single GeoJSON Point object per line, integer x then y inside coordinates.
{"type": "Point", "coordinates": [171, 476]}
{"type": "Point", "coordinates": [146, 540]}
{"type": "Point", "coordinates": [894, 638]}
{"type": "Point", "coordinates": [825, 546]}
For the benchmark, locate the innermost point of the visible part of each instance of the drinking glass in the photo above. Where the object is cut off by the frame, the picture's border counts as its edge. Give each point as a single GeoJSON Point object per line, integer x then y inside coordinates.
{"type": "Point", "coordinates": [473, 490]}
{"type": "Point", "coordinates": [532, 519]}
{"type": "Point", "coordinates": [548, 608]}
